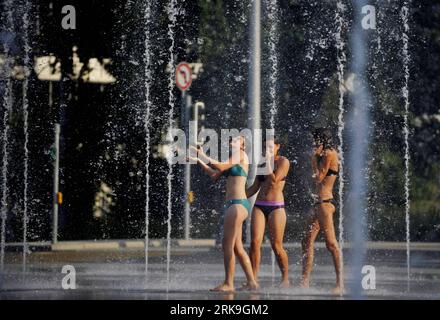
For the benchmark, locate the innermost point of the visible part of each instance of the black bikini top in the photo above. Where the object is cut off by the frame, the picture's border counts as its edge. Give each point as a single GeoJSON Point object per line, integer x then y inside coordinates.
{"type": "Point", "coordinates": [330, 172]}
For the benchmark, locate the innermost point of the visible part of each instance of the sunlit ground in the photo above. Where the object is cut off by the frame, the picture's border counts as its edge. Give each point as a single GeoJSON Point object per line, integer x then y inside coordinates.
{"type": "Point", "coordinates": [120, 275]}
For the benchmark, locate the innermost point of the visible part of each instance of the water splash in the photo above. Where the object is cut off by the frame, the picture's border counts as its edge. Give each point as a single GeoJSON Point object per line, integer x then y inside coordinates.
{"type": "Point", "coordinates": [379, 31]}
{"type": "Point", "coordinates": [147, 119]}
{"type": "Point", "coordinates": [273, 58]}
{"type": "Point", "coordinates": [359, 122]}
{"type": "Point", "coordinates": [26, 64]}
{"type": "Point", "coordinates": [341, 60]}
{"type": "Point", "coordinates": [405, 91]}
{"type": "Point", "coordinates": [272, 258]}
{"type": "Point", "coordinates": [273, 78]}
{"type": "Point", "coordinates": [172, 13]}
{"type": "Point", "coordinates": [7, 106]}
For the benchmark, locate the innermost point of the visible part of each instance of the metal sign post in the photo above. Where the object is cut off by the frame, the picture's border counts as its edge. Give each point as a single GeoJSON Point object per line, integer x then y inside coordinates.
{"type": "Point", "coordinates": [183, 76]}
{"type": "Point", "coordinates": [55, 184]}
{"type": "Point", "coordinates": [183, 82]}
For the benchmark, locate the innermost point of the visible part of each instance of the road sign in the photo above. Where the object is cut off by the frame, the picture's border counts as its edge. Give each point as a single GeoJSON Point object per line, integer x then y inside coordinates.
{"type": "Point", "coordinates": [183, 76]}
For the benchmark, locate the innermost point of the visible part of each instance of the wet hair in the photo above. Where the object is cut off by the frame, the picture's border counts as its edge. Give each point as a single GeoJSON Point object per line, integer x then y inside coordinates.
{"type": "Point", "coordinates": [276, 139]}
{"type": "Point", "coordinates": [324, 136]}
{"type": "Point", "coordinates": [243, 146]}
{"type": "Point", "coordinates": [243, 138]}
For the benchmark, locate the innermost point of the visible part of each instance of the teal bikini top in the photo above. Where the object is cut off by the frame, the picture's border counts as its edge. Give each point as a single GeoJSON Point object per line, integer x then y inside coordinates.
{"type": "Point", "coordinates": [235, 171]}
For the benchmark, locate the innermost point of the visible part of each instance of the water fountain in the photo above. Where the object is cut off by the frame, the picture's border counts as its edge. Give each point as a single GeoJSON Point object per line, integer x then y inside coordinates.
{"type": "Point", "coordinates": [358, 123]}
{"type": "Point", "coordinates": [341, 60]}
{"type": "Point", "coordinates": [172, 16]}
{"type": "Point", "coordinates": [7, 105]}
{"type": "Point", "coordinates": [147, 119]}
{"type": "Point", "coordinates": [272, 260]}
{"type": "Point", "coordinates": [405, 92]}
{"type": "Point", "coordinates": [273, 58]}
{"type": "Point", "coordinates": [353, 118]}
{"type": "Point", "coordinates": [26, 64]}
{"type": "Point", "coordinates": [273, 78]}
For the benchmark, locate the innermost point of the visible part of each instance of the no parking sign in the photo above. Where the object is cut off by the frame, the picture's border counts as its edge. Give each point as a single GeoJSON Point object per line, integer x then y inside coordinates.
{"type": "Point", "coordinates": [183, 76]}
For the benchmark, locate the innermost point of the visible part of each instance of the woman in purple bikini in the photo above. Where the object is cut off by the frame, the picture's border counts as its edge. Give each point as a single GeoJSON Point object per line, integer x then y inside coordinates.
{"type": "Point", "coordinates": [269, 207]}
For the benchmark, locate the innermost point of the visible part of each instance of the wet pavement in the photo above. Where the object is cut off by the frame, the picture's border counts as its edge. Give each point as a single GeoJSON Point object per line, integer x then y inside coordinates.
{"type": "Point", "coordinates": [193, 271]}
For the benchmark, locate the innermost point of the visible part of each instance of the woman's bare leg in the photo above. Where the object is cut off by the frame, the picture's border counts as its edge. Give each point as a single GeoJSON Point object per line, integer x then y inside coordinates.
{"type": "Point", "coordinates": [325, 217]}
{"type": "Point", "coordinates": [277, 224]}
{"type": "Point", "coordinates": [241, 254]}
{"type": "Point", "coordinates": [229, 235]}
{"type": "Point", "coordinates": [258, 224]}
{"type": "Point", "coordinates": [308, 242]}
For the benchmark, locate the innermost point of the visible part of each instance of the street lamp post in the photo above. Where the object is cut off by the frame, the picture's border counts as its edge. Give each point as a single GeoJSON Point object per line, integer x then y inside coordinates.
{"type": "Point", "coordinates": [56, 183]}
{"type": "Point", "coordinates": [48, 68]}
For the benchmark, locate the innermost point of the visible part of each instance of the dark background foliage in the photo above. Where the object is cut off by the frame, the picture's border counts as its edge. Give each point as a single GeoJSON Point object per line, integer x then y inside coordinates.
{"type": "Point", "coordinates": [103, 134]}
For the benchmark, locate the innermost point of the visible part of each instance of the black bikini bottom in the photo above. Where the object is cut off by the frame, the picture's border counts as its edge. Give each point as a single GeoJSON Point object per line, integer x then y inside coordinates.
{"type": "Point", "coordinates": [267, 207]}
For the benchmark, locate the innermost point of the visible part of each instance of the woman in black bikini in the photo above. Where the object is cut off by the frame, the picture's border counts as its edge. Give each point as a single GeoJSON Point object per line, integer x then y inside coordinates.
{"type": "Point", "coordinates": [237, 209]}
{"type": "Point", "coordinates": [325, 165]}
{"type": "Point", "coordinates": [269, 207]}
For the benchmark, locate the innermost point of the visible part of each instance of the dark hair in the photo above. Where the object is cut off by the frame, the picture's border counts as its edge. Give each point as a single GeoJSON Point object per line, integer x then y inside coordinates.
{"type": "Point", "coordinates": [324, 136]}
{"type": "Point", "coordinates": [276, 140]}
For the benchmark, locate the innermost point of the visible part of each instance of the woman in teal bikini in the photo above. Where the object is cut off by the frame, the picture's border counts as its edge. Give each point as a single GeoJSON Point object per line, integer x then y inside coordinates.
{"type": "Point", "coordinates": [237, 209]}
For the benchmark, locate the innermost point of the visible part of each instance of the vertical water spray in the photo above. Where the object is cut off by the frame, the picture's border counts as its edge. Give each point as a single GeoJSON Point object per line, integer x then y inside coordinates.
{"type": "Point", "coordinates": [26, 62]}
{"type": "Point", "coordinates": [172, 12]}
{"type": "Point", "coordinates": [147, 85]}
{"type": "Point", "coordinates": [7, 106]}
{"type": "Point", "coordinates": [273, 78]}
{"type": "Point", "coordinates": [380, 15]}
{"type": "Point", "coordinates": [359, 130]}
{"type": "Point", "coordinates": [273, 58]}
{"type": "Point", "coordinates": [405, 91]}
{"type": "Point", "coordinates": [341, 60]}
{"type": "Point", "coordinates": [272, 258]}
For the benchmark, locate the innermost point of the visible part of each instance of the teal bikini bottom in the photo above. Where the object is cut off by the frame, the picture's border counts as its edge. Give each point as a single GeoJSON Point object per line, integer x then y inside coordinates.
{"type": "Point", "coordinates": [244, 202]}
